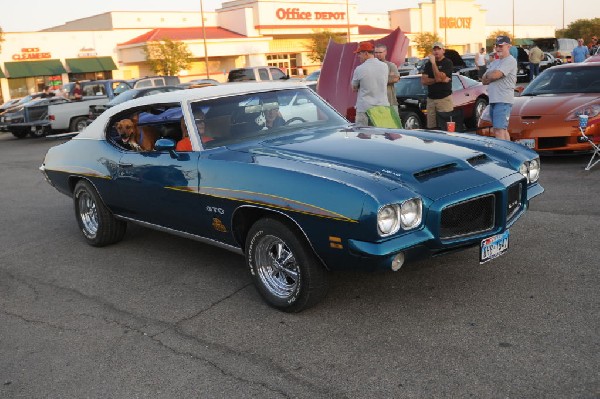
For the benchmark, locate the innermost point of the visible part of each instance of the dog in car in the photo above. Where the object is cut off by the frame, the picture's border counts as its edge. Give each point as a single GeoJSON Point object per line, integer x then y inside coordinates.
{"type": "Point", "coordinates": [138, 138]}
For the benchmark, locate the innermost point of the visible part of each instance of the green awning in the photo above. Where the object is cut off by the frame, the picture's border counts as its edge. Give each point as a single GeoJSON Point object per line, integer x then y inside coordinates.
{"type": "Point", "coordinates": [92, 64]}
{"type": "Point", "coordinates": [2, 74]}
{"type": "Point", "coordinates": [24, 69]}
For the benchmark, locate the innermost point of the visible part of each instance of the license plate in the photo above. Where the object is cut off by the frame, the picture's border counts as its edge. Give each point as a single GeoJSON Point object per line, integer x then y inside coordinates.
{"type": "Point", "coordinates": [492, 247]}
{"type": "Point", "coordinates": [529, 143]}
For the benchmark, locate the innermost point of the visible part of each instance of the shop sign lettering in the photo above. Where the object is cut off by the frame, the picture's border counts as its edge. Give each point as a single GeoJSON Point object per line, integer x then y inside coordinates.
{"type": "Point", "coordinates": [455, 23]}
{"type": "Point", "coordinates": [295, 13]}
{"type": "Point", "coordinates": [31, 53]}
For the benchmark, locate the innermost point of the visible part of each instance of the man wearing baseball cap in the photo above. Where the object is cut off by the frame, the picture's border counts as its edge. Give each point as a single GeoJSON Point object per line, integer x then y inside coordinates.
{"type": "Point", "coordinates": [501, 77]}
{"type": "Point", "coordinates": [370, 81]}
{"type": "Point", "coordinates": [437, 76]}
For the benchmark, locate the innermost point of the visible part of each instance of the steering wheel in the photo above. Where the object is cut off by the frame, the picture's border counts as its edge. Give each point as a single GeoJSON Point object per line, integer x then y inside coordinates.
{"type": "Point", "coordinates": [294, 119]}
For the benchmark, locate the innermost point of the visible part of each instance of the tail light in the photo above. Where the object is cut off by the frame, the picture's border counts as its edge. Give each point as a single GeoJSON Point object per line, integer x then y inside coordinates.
{"type": "Point", "coordinates": [51, 117]}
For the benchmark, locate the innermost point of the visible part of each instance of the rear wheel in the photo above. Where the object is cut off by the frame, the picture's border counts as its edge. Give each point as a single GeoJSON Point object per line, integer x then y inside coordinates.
{"type": "Point", "coordinates": [98, 225]}
{"type": "Point", "coordinates": [78, 124]}
{"type": "Point", "coordinates": [19, 133]}
{"type": "Point", "coordinates": [284, 269]}
{"type": "Point", "coordinates": [410, 120]}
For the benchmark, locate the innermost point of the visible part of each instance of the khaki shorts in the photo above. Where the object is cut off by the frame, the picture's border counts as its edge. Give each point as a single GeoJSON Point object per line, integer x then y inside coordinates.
{"type": "Point", "coordinates": [443, 105]}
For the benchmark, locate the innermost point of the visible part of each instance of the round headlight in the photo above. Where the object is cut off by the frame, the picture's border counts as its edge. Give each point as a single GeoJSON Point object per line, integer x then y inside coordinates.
{"type": "Point", "coordinates": [534, 170]}
{"type": "Point", "coordinates": [523, 170]}
{"type": "Point", "coordinates": [410, 213]}
{"type": "Point", "coordinates": [388, 221]}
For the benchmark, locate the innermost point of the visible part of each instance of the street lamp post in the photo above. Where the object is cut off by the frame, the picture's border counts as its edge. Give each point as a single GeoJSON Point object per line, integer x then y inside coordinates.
{"type": "Point", "coordinates": [445, 25]}
{"type": "Point", "coordinates": [204, 39]}
{"type": "Point", "coordinates": [348, 19]}
{"type": "Point", "coordinates": [513, 12]}
{"type": "Point", "coordinates": [563, 14]}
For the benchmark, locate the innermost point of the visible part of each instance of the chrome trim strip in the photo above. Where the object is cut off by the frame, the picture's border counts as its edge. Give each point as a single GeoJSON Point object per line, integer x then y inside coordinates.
{"type": "Point", "coordinates": [183, 234]}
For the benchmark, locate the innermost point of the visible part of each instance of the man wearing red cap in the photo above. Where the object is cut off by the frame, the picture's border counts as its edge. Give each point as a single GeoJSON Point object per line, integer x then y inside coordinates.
{"type": "Point", "coordinates": [370, 81]}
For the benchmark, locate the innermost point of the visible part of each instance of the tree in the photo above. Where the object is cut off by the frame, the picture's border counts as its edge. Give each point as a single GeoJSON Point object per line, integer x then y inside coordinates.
{"type": "Point", "coordinates": [491, 39]}
{"type": "Point", "coordinates": [584, 28]}
{"type": "Point", "coordinates": [499, 32]}
{"type": "Point", "coordinates": [167, 57]}
{"type": "Point", "coordinates": [425, 42]}
{"type": "Point", "coordinates": [318, 42]}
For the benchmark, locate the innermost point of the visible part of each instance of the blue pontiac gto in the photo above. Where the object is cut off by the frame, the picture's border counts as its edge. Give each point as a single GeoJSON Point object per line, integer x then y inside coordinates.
{"type": "Point", "coordinates": [276, 174]}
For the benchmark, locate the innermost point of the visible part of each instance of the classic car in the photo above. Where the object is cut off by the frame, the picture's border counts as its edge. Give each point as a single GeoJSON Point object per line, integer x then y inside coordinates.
{"type": "Point", "coordinates": [544, 117]}
{"type": "Point", "coordinates": [15, 106]}
{"type": "Point", "coordinates": [469, 97]}
{"type": "Point", "coordinates": [23, 120]}
{"type": "Point", "coordinates": [311, 195]}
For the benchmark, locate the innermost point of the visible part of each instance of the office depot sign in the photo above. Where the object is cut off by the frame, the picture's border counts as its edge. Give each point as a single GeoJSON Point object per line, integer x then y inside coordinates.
{"type": "Point", "coordinates": [289, 14]}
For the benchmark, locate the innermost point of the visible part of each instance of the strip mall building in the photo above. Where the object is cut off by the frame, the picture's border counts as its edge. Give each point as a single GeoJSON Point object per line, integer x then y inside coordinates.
{"type": "Point", "coordinates": [240, 33]}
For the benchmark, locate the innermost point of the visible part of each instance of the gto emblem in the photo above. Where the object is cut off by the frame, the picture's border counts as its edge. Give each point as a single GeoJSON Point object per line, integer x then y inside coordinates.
{"type": "Point", "coordinates": [214, 209]}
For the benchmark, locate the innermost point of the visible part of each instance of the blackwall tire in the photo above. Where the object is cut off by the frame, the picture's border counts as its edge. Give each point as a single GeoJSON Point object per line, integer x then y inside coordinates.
{"type": "Point", "coordinates": [284, 268]}
{"type": "Point", "coordinates": [20, 134]}
{"type": "Point", "coordinates": [98, 225]}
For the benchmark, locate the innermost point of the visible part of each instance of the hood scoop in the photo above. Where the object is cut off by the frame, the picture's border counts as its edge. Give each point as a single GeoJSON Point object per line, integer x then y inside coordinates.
{"type": "Point", "coordinates": [431, 172]}
{"type": "Point", "coordinates": [478, 160]}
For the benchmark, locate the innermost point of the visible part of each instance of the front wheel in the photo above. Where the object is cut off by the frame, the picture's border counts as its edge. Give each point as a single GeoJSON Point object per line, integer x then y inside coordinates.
{"type": "Point", "coordinates": [410, 120]}
{"type": "Point", "coordinates": [98, 225]}
{"type": "Point", "coordinates": [285, 270]}
{"type": "Point", "coordinates": [478, 108]}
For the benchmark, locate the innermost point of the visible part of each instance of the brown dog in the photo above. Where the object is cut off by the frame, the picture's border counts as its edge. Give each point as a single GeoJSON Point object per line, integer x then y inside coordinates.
{"type": "Point", "coordinates": [139, 139]}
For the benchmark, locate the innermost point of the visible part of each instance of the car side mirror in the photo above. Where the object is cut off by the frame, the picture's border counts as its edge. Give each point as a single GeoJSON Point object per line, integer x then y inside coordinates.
{"type": "Point", "coordinates": [164, 145]}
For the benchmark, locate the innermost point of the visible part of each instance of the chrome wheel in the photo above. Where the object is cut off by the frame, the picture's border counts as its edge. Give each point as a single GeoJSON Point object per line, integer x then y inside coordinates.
{"type": "Point", "coordinates": [96, 222]}
{"type": "Point", "coordinates": [283, 266]}
{"type": "Point", "coordinates": [412, 121]}
{"type": "Point", "coordinates": [478, 111]}
{"type": "Point", "coordinates": [277, 267]}
{"type": "Point", "coordinates": [88, 213]}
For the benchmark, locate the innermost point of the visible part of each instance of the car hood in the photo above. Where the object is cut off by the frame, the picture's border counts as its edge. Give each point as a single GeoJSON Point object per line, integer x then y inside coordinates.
{"type": "Point", "coordinates": [396, 158]}
{"type": "Point", "coordinates": [550, 104]}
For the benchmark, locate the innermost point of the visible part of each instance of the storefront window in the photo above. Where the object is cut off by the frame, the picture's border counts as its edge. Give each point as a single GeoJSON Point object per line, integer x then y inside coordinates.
{"type": "Point", "coordinates": [286, 62]}
{"type": "Point", "coordinates": [18, 87]}
{"type": "Point", "coordinates": [90, 76]}
{"type": "Point", "coordinates": [21, 87]}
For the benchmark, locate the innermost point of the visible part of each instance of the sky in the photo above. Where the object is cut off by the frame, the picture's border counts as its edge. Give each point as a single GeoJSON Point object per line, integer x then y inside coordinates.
{"type": "Point", "coordinates": [32, 15]}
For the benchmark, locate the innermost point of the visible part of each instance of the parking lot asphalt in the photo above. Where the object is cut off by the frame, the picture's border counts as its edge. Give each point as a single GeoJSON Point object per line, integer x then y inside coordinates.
{"type": "Point", "coordinates": [158, 316]}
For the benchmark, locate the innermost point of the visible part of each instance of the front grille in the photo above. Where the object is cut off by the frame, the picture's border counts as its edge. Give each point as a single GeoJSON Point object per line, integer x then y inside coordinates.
{"type": "Point", "coordinates": [514, 200]}
{"type": "Point", "coordinates": [468, 217]}
{"type": "Point", "coordinates": [551, 142]}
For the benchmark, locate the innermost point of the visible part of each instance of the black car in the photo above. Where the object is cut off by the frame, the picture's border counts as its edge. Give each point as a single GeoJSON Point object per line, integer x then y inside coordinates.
{"type": "Point", "coordinates": [130, 94]}
{"type": "Point", "coordinates": [464, 65]}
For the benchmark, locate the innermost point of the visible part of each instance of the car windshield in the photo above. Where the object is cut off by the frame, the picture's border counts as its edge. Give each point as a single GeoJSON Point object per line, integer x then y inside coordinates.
{"type": "Point", "coordinates": [410, 87]}
{"type": "Point", "coordinates": [469, 62]}
{"type": "Point", "coordinates": [565, 80]}
{"type": "Point", "coordinates": [121, 98]}
{"type": "Point", "coordinates": [236, 119]}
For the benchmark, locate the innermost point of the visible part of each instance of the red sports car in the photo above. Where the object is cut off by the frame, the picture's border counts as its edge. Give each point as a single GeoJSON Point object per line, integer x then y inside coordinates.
{"type": "Point", "coordinates": [545, 116]}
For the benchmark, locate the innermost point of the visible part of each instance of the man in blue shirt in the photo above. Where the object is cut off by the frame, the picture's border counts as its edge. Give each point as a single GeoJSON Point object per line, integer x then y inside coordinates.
{"type": "Point", "coordinates": [581, 52]}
